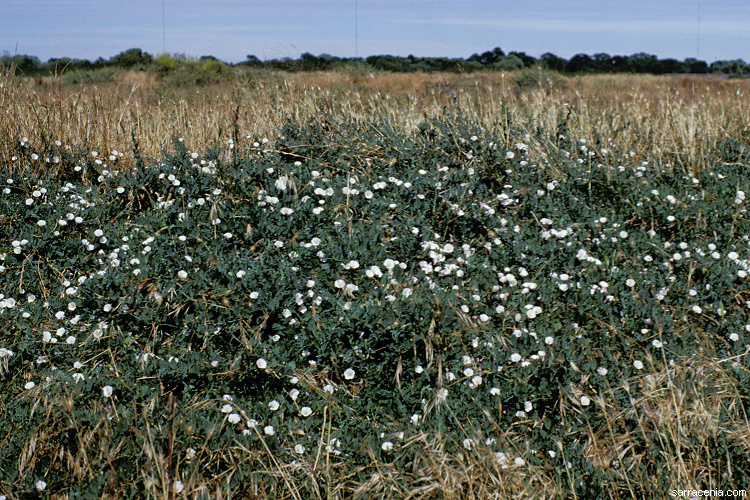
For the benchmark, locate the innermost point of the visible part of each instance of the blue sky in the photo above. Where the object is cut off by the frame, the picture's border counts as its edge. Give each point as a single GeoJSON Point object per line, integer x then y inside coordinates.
{"type": "Point", "coordinates": [230, 29]}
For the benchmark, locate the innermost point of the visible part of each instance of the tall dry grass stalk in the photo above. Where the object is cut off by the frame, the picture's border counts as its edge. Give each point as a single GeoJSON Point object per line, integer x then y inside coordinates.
{"type": "Point", "coordinates": [660, 119]}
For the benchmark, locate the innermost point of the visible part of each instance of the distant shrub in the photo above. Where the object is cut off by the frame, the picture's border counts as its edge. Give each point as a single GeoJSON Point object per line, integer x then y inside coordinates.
{"type": "Point", "coordinates": [537, 78]}
{"type": "Point", "coordinates": [167, 62]}
{"type": "Point", "coordinates": [215, 67]}
{"type": "Point", "coordinates": [508, 62]}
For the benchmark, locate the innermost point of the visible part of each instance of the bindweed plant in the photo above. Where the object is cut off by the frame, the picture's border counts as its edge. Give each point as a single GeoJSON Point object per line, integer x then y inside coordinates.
{"type": "Point", "coordinates": [370, 309]}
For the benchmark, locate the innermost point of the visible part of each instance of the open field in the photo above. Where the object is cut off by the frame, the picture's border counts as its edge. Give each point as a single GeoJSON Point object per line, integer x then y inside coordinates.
{"type": "Point", "coordinates": [659, 118]}
{"type": "Point", "coordinates": [335, 285]}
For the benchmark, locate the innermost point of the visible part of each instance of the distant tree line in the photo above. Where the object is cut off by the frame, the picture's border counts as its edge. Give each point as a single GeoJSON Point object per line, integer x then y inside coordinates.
{"type": "Point", "coordinates": [32, 66]}
{"type": "Point", "coordinates": [495, 59]}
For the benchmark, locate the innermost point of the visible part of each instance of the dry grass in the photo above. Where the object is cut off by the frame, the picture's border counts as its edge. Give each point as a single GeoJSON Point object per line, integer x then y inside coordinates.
{"type": "Point", "coordinates": [682, 413]}
{"type": "Point", "coordinates": [661, 119]}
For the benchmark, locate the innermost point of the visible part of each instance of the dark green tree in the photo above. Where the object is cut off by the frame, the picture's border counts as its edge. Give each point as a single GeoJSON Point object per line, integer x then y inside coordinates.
{"type": "Point", "coordinates": [643, 63]}
{"type": "Point", "coordinates": [527, 60]}
{"type": "Point", "coordinates": [131, 57]}
{"type": "Point", "coordinates": [602, 62]}
{"type": "Point", "coordinates": [695, 66]}
{"type": "Point", "coordinates": [553, 62]}
{"type": "Point", "coordinates": [579, 63]}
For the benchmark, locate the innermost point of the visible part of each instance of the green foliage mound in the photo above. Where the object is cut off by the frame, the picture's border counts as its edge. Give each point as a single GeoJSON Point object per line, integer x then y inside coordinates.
{"type": "Point", "coordinates": [338, 296]}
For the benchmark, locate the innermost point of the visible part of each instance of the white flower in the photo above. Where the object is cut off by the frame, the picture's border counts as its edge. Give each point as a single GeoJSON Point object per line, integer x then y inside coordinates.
{"type": "Point", "coordinates": [241, 273]}
{"type": "Point", "coordinates": [515, 357]}
{"type": "Point", "coordinates": [519, 461]}
{"type": "Point", "coordinates": [299, 449]}
{"type": "Point", "coordinates": [349, 374]}
{"type": "Point", "coordinates": [528, 406]}
{"type": "Point", "coordinates": [602, 371]}
{"type": "Point", "coordinates": [630, 282]}
{"type": "Point", "coordinates": [305, 411]}
{"type": "Point", "coordinates": [656, 343]}
{"type": "Point", "coordinates": [697, 309]}
{"type": "Point", "coordinates": [107, 391]}
{"type": "Point", "coordinates": [268, 430]}
{"type": "Point", "coordinates": [261, 363]}
{"type": "Point", "coordinates": [389, 264]}
{"type": "Point", "coordinates": [182, 274]}
{"type": "Point", "coordinates": [638, 364]}
{"type": "Point", "coordinates": [734, 337]}
{"type": "Point", "coordinates": [226, 408]}
{"type": "Point", "coordinates": [273, 405]}
{"type": "Point", "coordinates": [387, 446]}
{"type": "Point", "coordinates": [234, 418]}
{"type": "Point", "coordinates": [442, 394]}
{"type": "Point", "coordinates": [41, 486]}
{"type": "Point", "coordinates": [178, 486]}
{"type": "Point", "coordinates": [585, 401]}
{"type": "Point", "coordinates": [29, 385]}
